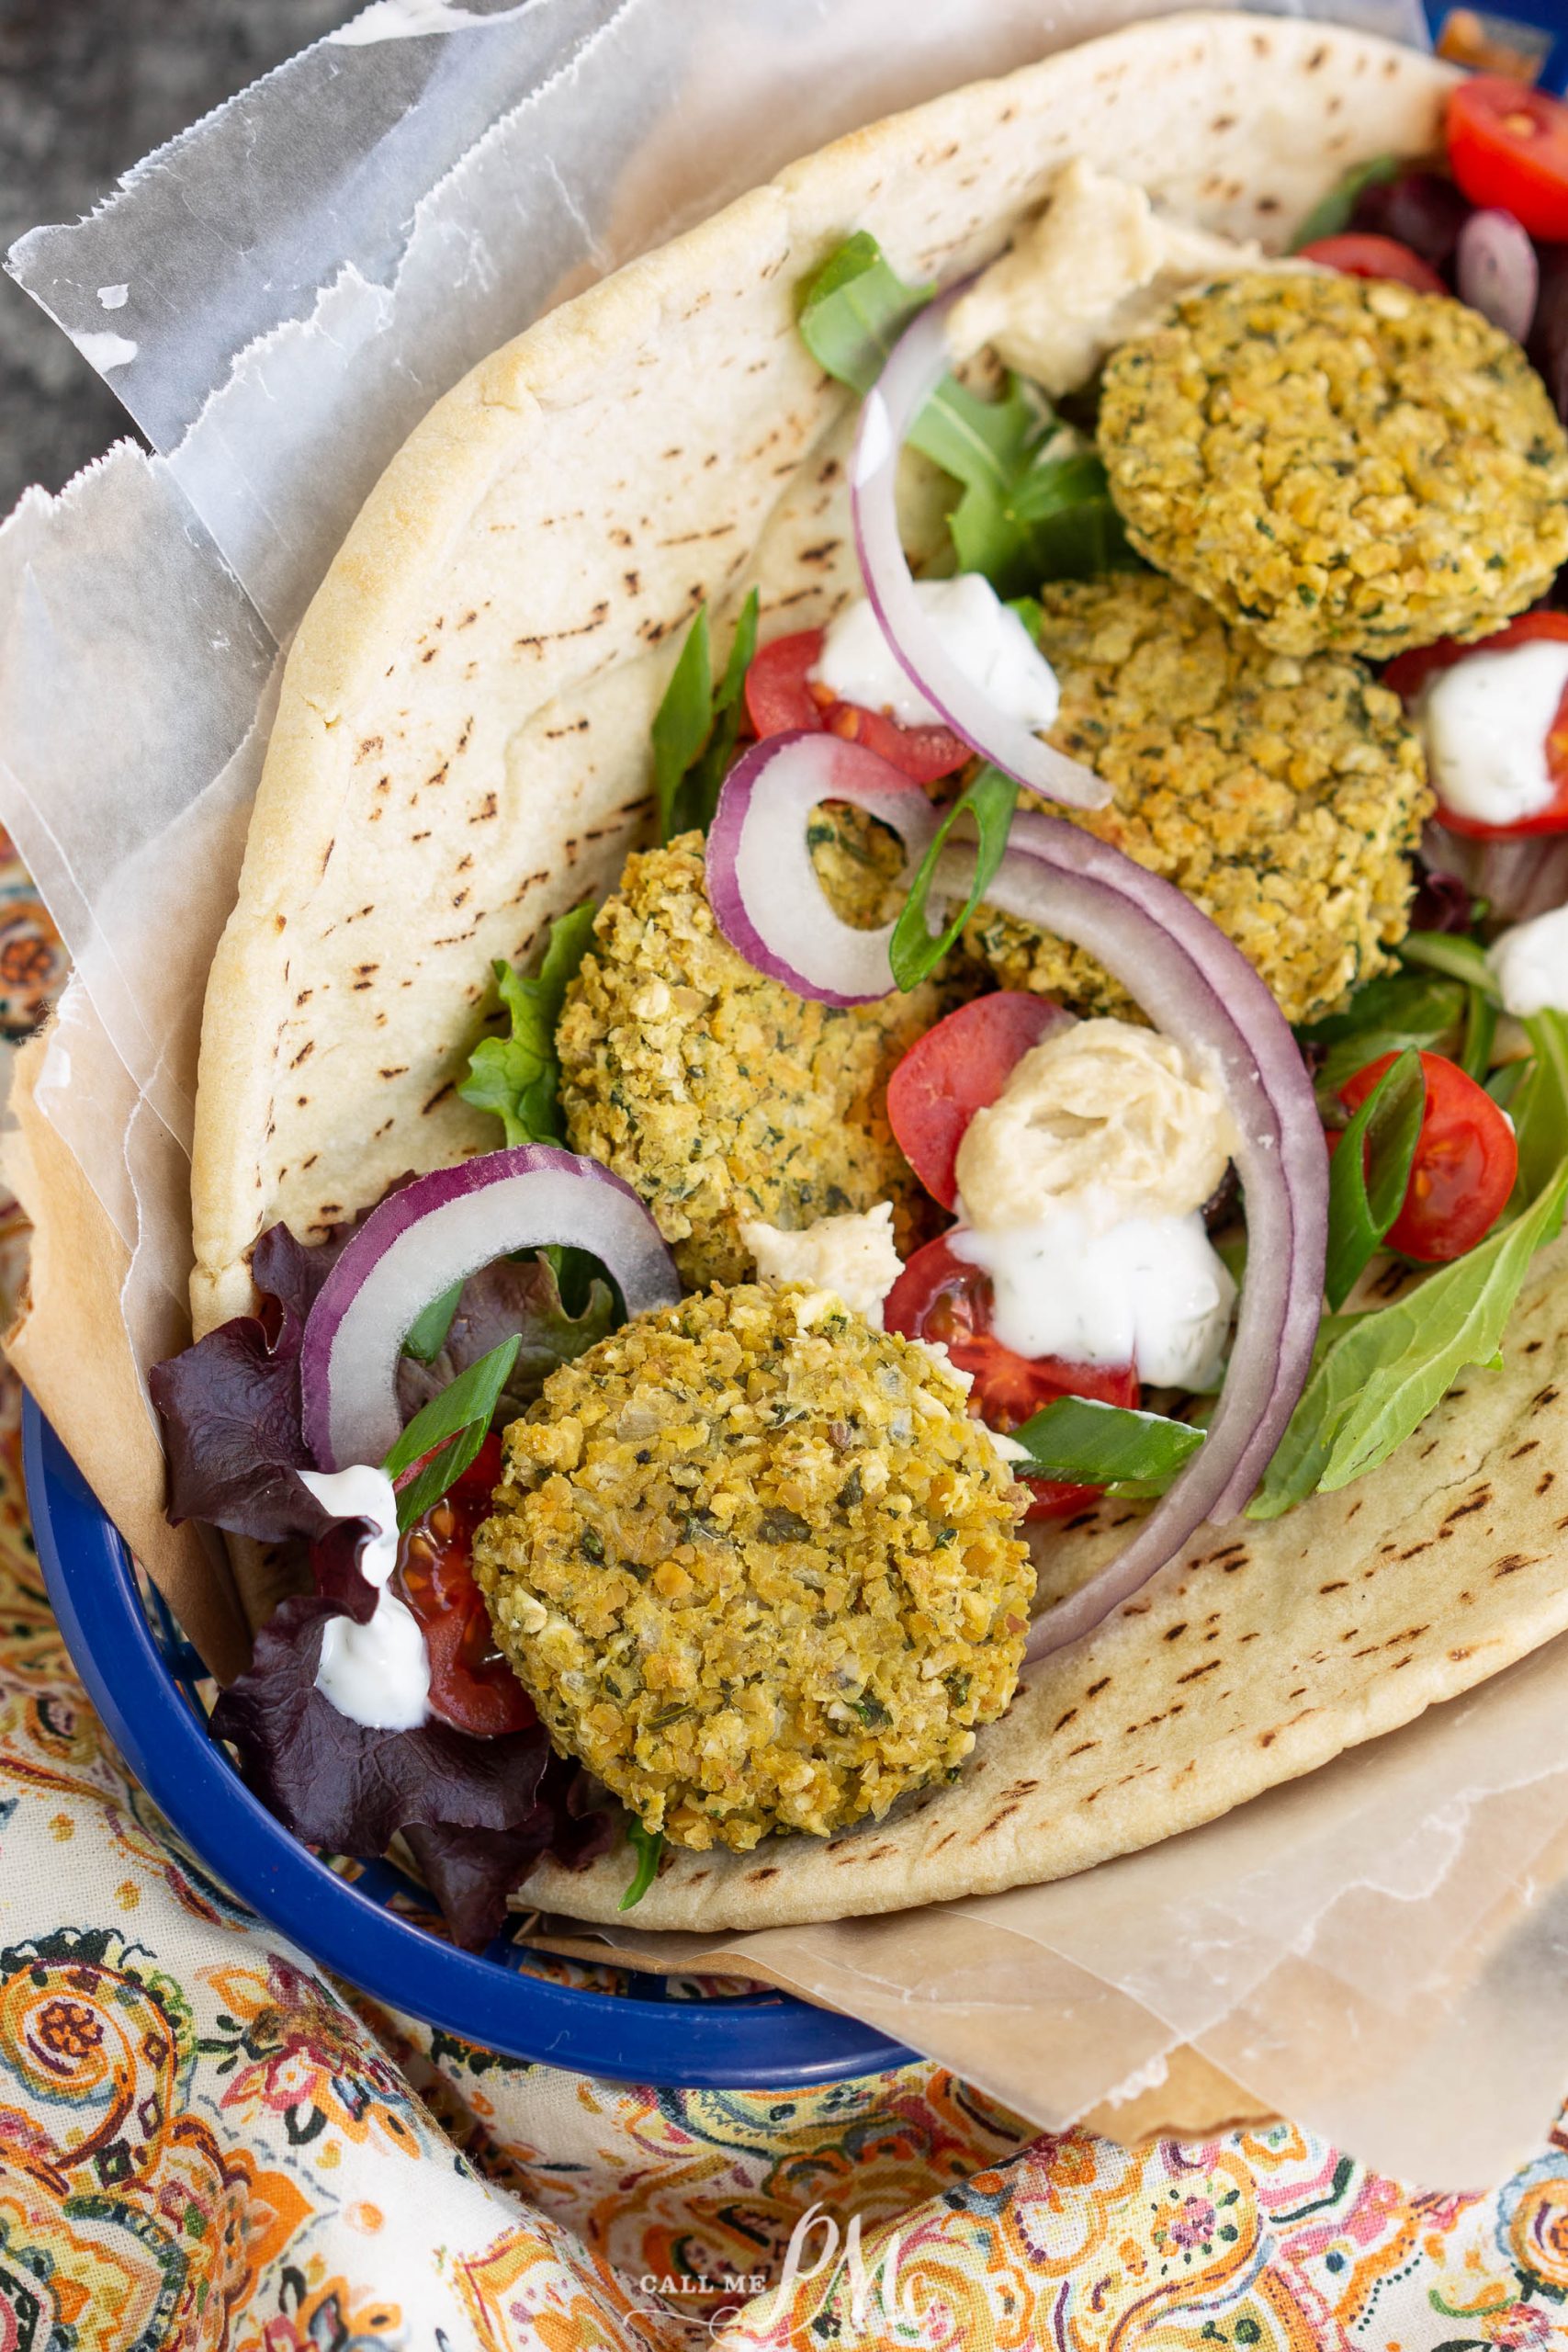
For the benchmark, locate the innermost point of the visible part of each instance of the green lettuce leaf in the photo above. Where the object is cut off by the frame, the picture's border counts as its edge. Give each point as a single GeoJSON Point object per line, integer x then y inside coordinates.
{"type": "Point", "coordinates": [1331, 215]}
{"type": "Point", "coordinates": [1029, 508]}
{"type": "Point", "coordinates": [1376, 1376]}
{"type": "Point", "coordinates": [517, 1078]}
{"type": "Point", "coordinates": [1421, 1009]}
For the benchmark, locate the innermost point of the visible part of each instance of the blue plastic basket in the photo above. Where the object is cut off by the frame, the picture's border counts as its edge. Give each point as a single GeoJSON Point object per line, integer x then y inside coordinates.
{"type": "Point", "coordinates": [145, 1681]}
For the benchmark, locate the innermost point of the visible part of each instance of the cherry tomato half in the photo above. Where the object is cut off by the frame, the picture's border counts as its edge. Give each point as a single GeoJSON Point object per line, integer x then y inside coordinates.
{"type": "Point", "coordinates": [956, 1068]}
{"type": "Point", "coordinates": [1408, 673]}
{"type": "Point", "coordinates": [1358, 253]}
{"type": "Point", "coordinates": [780, 697]}
{"type": "Point", "coordinates": [936, 1297]}
{"type": "Point", "coordinates": [1466, 1159]}
{"type": "Point", "coordinates": [1508, 147]}
{"type": "Point", "coordinates": [471, 1686]}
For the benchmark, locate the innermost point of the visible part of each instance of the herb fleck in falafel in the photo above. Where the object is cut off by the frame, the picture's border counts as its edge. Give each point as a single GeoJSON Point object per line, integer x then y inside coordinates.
{"type": "Point", "coordinates": [719, 1094]}
{"type": "Point", "coordinates": [1338, 461]}
{"type": "Point", "coordinates": [757, 1565]}
{"type": "Point", "coordinates": [1283, 795]}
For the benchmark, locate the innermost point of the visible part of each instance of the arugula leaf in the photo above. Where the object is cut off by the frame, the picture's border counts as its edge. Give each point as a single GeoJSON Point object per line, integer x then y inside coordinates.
{"type": "Point", "coordinates": [682, 722]}
{"type": "Point", "coordinates": [852, 311]}
{"type": "Point", "coordinates": [427, 1332]}
{"type": "Point", "coordinates": [1332, 213]}
{"type": "Point", "coordinates": [1540, 1109]}
{"type": "Point", "coordinates": [1369, 1173]}
{"type": "Point", "coordinates": [1450, 952]}
{"type": "Point", "coordinates": [450, 1429]}
{"type": "Point", "coordinates": [648, 1845]}
{"type": "Point", "coordinates": [1507, 1083]}
{"type": "Point", "coordinates": [516, 1077]}
{"type": "Point", "coordinates": [1384, 1017]}
{"type": "Point", "coordinates": [695, 726]}
{"type": "Point", "coordinates": [990, 799]}
{"type": "Point", "coordinates": [1086, 1443]}
{"type": "Point", "coordinates": [1375, 1382]}
{"type": "Point", "coordinates": [1479, 1031]}
{"type": "Point", "coordinates": [1029, 511]}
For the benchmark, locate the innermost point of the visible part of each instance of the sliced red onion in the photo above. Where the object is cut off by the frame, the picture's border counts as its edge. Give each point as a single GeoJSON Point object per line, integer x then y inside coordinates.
{"type": "Point", "coordinates": [438, 1231]}
{"type": "Point", "coordinates": [1206, 995]}
{"type": "Point", "coordinates": [761, 882]}
{"type": "Point", "coordinates": [916, 366]}
{"type": "Point", "coordinates": [1496, 271]}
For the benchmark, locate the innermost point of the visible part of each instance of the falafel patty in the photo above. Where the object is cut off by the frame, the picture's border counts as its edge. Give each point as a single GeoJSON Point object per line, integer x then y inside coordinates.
{"type": "Point", "coordinates": [757, 1565]}
{"type": "Point", "coordinates": [719, 1094]}
{"type": "Point", "coordinates": [1340, 462]}
{"type": "Point", "coordinates": [1283, 796]}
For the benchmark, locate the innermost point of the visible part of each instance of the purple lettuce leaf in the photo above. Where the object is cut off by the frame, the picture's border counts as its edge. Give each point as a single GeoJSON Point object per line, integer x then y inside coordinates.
{"type": "Point", "coordinates": [476, 1813]}
{"type": "Point", "coordinates": [230, 1407]}
{"type": "Point", "coordinates": [337, 1784]}
{"type": "Point", "coordinates": [471, 1871]}
{"type": "Point", "coordinates": [520, 1296]}
{"type": "Point", "coordinates": [229, 1404]}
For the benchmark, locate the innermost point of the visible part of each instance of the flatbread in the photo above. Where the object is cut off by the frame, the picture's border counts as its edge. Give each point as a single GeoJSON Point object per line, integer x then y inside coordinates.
{"type": "Point", "coordinates": [461, 750]}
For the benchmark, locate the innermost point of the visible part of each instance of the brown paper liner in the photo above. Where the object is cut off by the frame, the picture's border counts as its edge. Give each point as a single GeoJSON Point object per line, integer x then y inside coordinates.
{"type": "Point", "coordinates": [1194, 2100]}
{"type": "Point", "coordinates": [70, 1346]}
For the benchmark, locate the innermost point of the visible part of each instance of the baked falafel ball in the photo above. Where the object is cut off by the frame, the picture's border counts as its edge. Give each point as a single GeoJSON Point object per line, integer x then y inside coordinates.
{"type": "Point", "coordinates": [719, 1094]}
{"type": "Point", "coordinates": [757, 1565]}
{"type": "Point", "coordinates": [1338, 462]}
{"type": "Point", "coordinates": [1284, 795]}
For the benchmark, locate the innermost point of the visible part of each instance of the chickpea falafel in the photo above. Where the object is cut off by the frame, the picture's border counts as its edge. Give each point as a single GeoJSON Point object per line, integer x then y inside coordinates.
{"type": "Point", "coordinates": [757, 1565]}
{"type": "Point", "coordinates": [1338, 462]}
{"type": "Point", "coordinates": [1284, 795]}
{"type": "Point", "coordinates": [719, 1094]}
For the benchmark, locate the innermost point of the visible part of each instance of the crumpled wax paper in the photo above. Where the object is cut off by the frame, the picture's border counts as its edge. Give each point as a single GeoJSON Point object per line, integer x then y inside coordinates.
{"type": "Point", "coordinates": [279, 295]}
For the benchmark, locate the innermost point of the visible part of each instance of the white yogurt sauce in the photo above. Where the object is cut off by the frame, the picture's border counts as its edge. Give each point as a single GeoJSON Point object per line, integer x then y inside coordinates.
{"type": "Point", "coordinates": [988, 643]}
{"type": "Point", "coordinates": [1531, 964]}
{"type": "Point", "coordinates": [1485, 722]}
{"type": "Point", "coordinates": [1144, 1290]}
{"type": "Point", "coordinates": [376, 1674]}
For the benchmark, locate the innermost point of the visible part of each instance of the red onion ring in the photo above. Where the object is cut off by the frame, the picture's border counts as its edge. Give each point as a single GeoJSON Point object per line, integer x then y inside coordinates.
{"type": "Point", "coordinates": [438, 1231]}
{"type": "Point", "coordinates": [915, 367]}
{"type": "Point", "coordinates": [758, 858]}
{"type": "Point", "coordinates": [1496, 271]}
{"type": "Point", "coordinates": [1209, 999]}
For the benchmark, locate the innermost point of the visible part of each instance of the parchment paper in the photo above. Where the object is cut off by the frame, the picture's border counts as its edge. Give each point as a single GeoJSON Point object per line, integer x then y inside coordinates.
{"type": "Point", "coordinates": [278, 294]}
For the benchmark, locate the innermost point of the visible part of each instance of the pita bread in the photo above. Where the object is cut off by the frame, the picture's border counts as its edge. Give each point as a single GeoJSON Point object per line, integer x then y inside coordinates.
{"type": "Point", "coordinates": [461, 750]}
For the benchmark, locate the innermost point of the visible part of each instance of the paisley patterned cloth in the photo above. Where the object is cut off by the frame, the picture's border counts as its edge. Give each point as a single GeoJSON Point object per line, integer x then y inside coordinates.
{"type": "Point", "coordinates": [204, 2143]}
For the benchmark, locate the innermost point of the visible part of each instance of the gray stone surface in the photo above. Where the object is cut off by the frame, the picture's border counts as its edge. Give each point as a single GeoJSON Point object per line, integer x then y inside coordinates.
{"type": "Point", "coordinates": [86, 88]}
